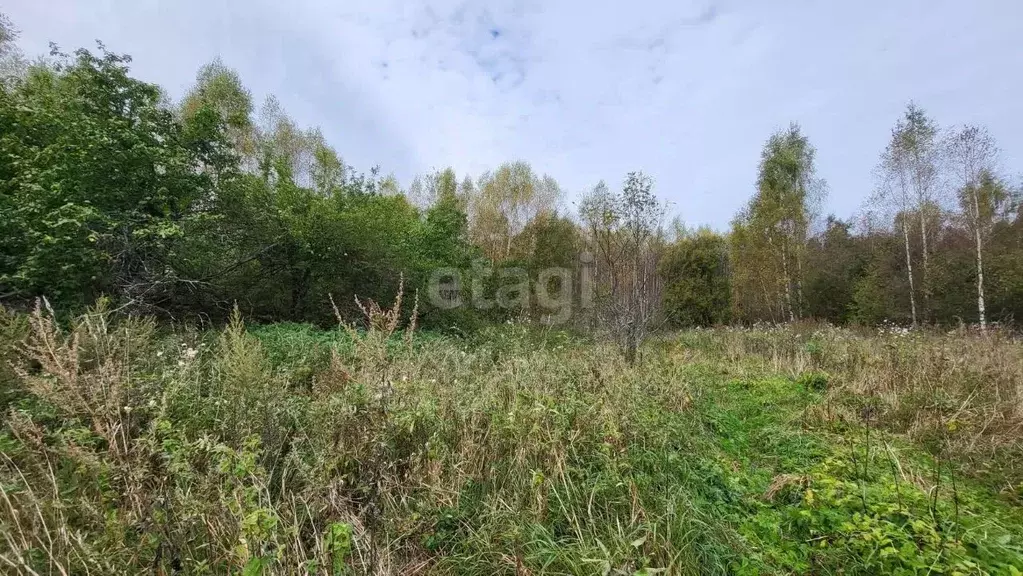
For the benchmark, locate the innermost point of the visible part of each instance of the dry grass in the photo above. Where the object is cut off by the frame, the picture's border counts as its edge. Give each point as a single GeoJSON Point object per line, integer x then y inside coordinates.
{"type": "Point", "coordinates": [127, 450]}
{"type": "Point", "coordinates": [959, 393]}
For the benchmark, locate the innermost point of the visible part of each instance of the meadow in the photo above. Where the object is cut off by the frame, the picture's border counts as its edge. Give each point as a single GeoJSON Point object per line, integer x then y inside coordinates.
{"type": "Point", "coordinates": [133, 448]}
{"type": "Point", "coordinates": [234, 402]}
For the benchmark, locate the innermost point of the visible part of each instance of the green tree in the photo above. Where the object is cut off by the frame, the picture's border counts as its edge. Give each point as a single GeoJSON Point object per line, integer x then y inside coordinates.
{"type": "Point", "coordinates": [697, 289]}
{"type": "Point", "coordinates": [98, 181]}
{"type": "Point", "coordinates": [770, 236]}
{"type": "Point", "coordinates": [836, 260]}
{"type": "Point", "coordinates": [219, 89]}
{"type": "Point", "coordinates": [1005, 289]}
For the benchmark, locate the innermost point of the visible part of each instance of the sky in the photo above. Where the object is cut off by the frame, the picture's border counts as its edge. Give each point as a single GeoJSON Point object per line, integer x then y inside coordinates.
{"type": "Point", "coordinates": [686, 91]}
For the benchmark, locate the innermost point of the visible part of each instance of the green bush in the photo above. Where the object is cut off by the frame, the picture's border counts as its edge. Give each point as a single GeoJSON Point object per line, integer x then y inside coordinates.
{"type": "Point", "coordinates": [814, 381]}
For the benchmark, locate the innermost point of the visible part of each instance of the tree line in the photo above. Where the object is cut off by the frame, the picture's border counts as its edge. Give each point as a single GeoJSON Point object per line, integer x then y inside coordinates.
{"type": "Point", "coordinates": [937, 242]}
{"type": "Point", "coordinates": [186, 209]}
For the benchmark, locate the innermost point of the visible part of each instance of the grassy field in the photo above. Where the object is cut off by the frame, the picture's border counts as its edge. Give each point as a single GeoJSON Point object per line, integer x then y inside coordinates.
{"type": "Point", "coordinates": [285, 449]}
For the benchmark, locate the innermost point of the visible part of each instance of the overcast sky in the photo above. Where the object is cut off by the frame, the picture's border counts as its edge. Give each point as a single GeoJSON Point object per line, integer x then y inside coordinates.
{"type": "Point", "coordinates": [586, 90]}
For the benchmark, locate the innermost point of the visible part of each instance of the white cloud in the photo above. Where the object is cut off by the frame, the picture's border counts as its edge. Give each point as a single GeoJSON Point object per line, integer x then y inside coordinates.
{"type": "Point", "coordinates": [686, 91]}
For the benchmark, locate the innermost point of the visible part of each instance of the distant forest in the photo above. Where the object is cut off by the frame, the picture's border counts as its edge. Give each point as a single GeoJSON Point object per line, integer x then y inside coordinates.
{"type": "Point", "coordinates": [108, 189]}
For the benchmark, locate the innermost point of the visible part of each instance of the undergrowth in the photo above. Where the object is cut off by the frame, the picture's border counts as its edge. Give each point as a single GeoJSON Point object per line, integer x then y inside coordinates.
{"type": "Point", "coordinates": [374, 449]}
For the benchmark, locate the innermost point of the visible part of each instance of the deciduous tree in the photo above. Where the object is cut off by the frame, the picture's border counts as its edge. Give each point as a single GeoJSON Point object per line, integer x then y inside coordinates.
{"type": "Point", "coordinates": [972, 156]}
{"type": "Point", "coordinates": [624, 229]}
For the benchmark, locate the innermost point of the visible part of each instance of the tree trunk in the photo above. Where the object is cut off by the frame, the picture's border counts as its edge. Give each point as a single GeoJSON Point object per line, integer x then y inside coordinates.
{"type": "Point", "coordinates": [788, 283]}
{"type": "Point", "coordinates": [926, 282]}
{"type": "Point", "coordinates": [980, 263]}
{"type": "Point", "coordinates": [631, 344]}
{"type": "Point", "coordinates": [909, 272]}
{"type": "Point", "coordinates": [799, 286]}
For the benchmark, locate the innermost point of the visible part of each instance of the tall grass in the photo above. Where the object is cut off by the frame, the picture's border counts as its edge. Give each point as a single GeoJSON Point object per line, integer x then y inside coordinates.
{"type": "Point", "coordinates": [127, 450]}
{"type": "Point", "coordinates": [372, 449]}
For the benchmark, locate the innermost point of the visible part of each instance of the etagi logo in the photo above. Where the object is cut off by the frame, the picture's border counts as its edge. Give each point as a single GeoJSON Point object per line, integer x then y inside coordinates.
{"type": "Point", "coordinates": [556, 290]}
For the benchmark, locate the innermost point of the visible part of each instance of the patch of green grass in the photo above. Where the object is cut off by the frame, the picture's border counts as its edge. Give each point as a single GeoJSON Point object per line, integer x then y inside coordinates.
{"type": "Point", "coordinates": [816, 501]}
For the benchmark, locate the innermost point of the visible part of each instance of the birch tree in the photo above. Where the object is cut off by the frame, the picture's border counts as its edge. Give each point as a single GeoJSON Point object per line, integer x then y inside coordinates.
{"type": "Point", "coordinates": [12, 61]}
{"type": "Point", "coordinates": [220, 89]}
{"type": "Point", "coordinates": [504, 202]}
{"type": "Point", "coordinates": [916, 152]}
{"type": "Point", "coordinates": [893, 195]}
{"type": "Point", "coordinates": [776, 222]}
{"type": "Point", "coordinates": [972, 154]}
